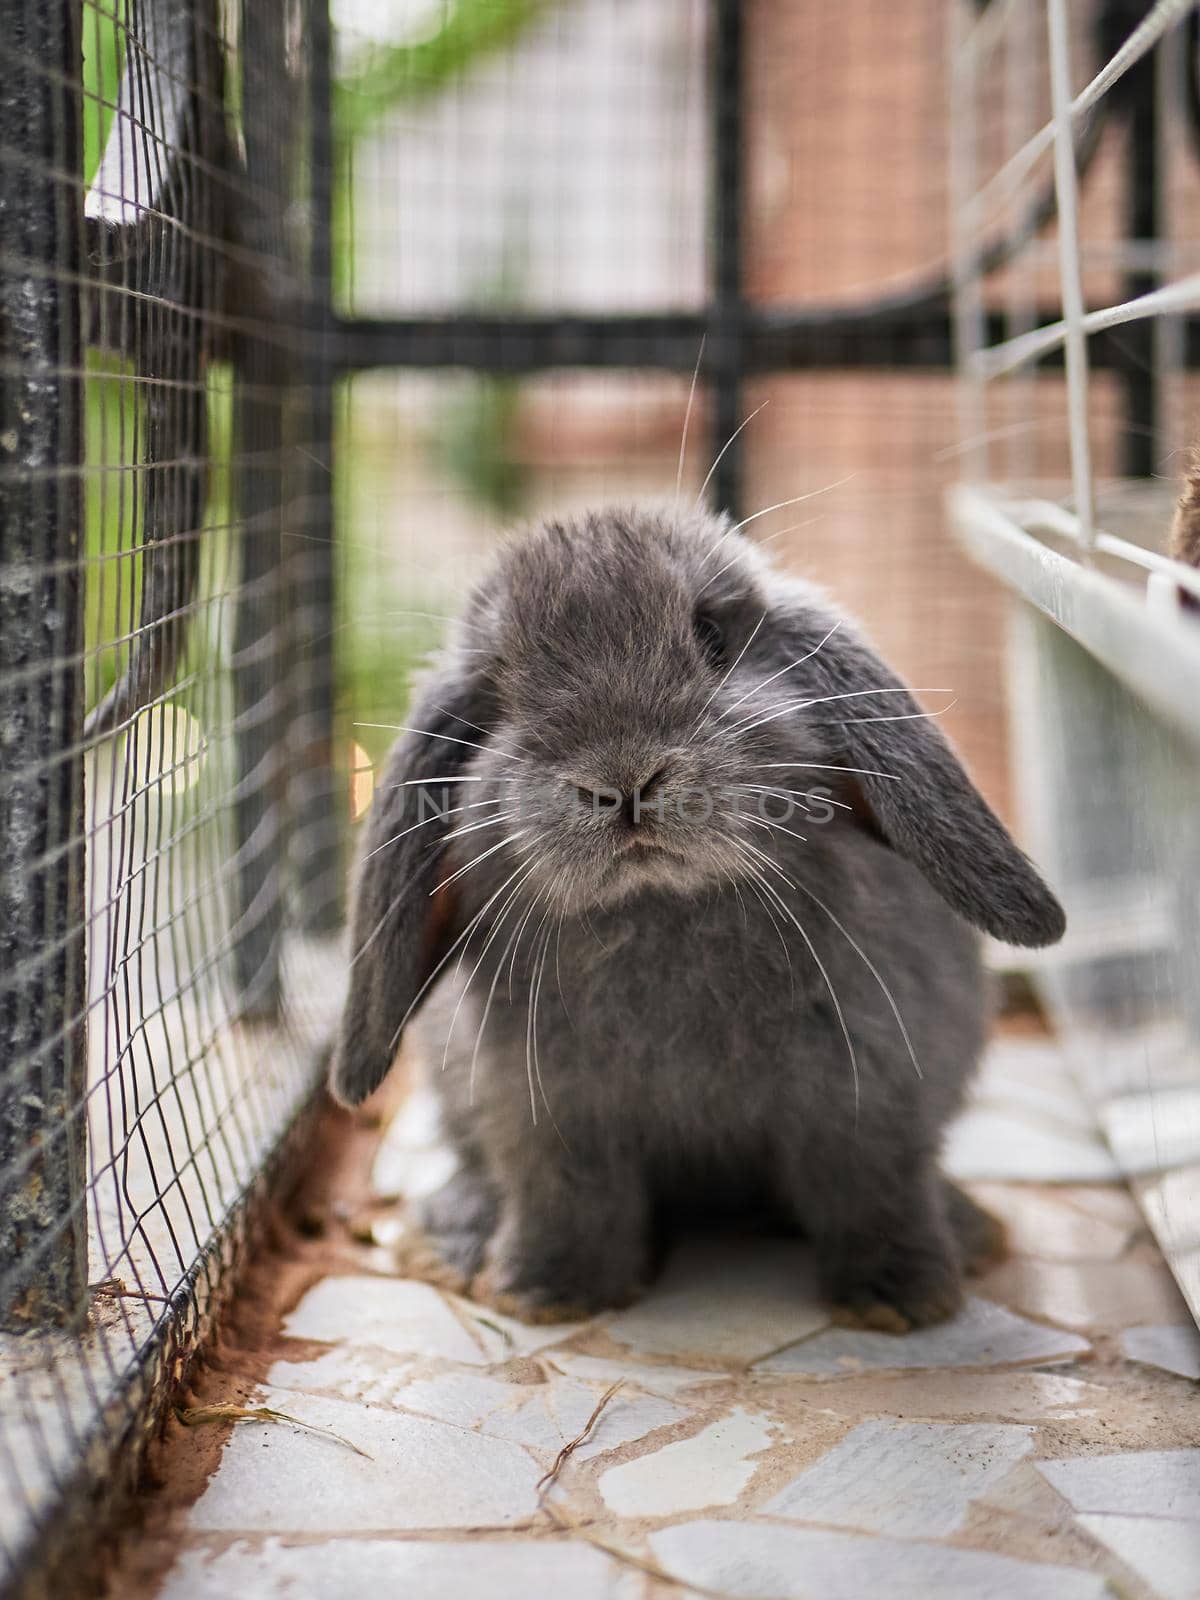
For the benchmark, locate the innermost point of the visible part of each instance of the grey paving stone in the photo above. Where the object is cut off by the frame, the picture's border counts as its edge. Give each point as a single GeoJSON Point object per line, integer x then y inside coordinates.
{"type": "Point", "coordinates": [911, 1479]}
{"type": "Point", "coordinates": [982, 1335]}
{"type": "Point", "coordinates": [349, 1569]}
{"type": "Point", "coordinates": [1165, 1554]}
{"type": "Point", "coordinates": [1090, 1296]}
{"type": "Point", "coordinates": [1013, 1145]}
{"type": "Point", "coordinates": [711, 1468]}
{"type": "Point", "coordinates": [557, 1412]}
{"type": "Point", "coordinates": [465, 1398]}
{"type": "Point", "coordinates": [417, 1473]}
{"type": "Point", "coordinates": [1151, 1483]}
{"type": "Point", "coordinates": [1174, 1348]}
{"type": "Point", "coordinates": [1155, 1131]}
{"type": "Point", "coordinates": [410, 1319]}
{"type": "Point", "coordinates": [349, 1372]}
{"type": "Point", "coordinates": [648, 1376]}
{"type": "Point", "coordinates": [764, 1561]}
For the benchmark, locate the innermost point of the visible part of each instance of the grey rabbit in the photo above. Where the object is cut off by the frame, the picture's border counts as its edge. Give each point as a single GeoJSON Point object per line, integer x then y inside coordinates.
{"type": "Point", "coordinates": [692, 908]}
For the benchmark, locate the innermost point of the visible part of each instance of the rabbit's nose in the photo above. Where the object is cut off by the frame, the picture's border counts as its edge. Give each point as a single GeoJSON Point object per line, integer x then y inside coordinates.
{"type": "Point", "coordinates": [631, 803]}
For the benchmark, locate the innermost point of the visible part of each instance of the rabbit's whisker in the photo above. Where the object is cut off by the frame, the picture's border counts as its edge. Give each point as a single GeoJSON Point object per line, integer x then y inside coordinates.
{"type": "Point", "coordinates": [735, 888]}
{"type": "Point", "coordinates": [777, 827]}
{"type": "Point", "coordinates": [766, 511]}
{"type": "Point", "coordinates": [901, 716]}
{"type": "Point", "coordinates": [858, 950]}
{"type": "Point", "coordinates": [482, 856]}
{"type": "Point", "coordinates": [726, 674]}
{"type": "Point", "coordinates": [687, 418]}
{"type": "Point", "coordinates": [487, 822]}
{"type": "Point", "coordinates": [781, 708]}
{"type": "Point", "coordinates": [425, 821]}
{"type": "Point", "coordinates": [531, 1046]}
{"type": "Point", "coordinates": [477, 921]}
{"type": "Point", "coordinates": [860, 694]}
{"type": "Point", "coordinates": [812, 949]}
{"type": "Point", "coordinates": [487, 732]}
{"type": "Point", "coordinates": [795, 794]}
{"type": "Point", "coordinates": [774, 920]}
{"type": "Point", "coordinates": [464, 935]}
{"type": "Point", "coordinates": [558, 965]}
{"type": "Point", "coordinates": [827, 766]}
{"type": "Point", "coordinates": [591, 929]}
{"type": "Point", "coordinates": [491, 994]}
{"type": "Point", "coordinates": [799, 662]}
{"type": "Point", "coordinates": [719, 457]}
{"type": "Point", "coordinates": [511, 951]}
{"type": "Point", "coordinates": [871, 968]}
{"type": "Point", "coordinates": [792, 527]}
{"type": "Point", "coordinates": [497, 925]}
{"type": "Point", "coordinates": [361, 622]}
{"type": "Point", "coordinates": [796, 500]}
{"type": "Point", "coordinates": [383, 920]}
{"type": "Point", "coordinates": [431, 783]}
{"type": "Point", "coordinates": [428, 733]}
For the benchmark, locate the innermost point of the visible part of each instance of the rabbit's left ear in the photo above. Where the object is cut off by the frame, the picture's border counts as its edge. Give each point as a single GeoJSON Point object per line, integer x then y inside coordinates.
{"type": "Point", "coordinates": [926, 807]}
{"type": "Point", "coordinates": [405, 917]}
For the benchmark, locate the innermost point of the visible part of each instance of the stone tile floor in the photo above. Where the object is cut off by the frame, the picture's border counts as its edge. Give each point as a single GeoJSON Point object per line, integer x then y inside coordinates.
{"type": "Point", "coordinates": [731, 1441]}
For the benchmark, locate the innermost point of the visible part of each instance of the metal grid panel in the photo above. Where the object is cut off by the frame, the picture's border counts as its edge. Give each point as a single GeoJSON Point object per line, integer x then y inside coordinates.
{"type": "Point", "coordinates": [167, 796]}
{"type": "Point", "coordinates": [1106, 658]}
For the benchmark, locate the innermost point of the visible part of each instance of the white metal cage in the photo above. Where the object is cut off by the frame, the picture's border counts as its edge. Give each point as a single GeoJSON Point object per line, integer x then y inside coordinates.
{"type": "Point", "coordinates": [1069, 503]}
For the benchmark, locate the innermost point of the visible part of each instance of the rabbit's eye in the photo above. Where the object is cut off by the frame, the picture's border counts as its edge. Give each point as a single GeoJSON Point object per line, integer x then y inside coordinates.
{"type": "Point", "coordinates": [710, 638]}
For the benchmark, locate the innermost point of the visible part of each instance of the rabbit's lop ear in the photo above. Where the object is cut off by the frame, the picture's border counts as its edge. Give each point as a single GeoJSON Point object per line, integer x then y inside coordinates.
{"type": "Point", "coordinates": [916, 791]}
{"type": "Point", "coordinates": [403, 923]}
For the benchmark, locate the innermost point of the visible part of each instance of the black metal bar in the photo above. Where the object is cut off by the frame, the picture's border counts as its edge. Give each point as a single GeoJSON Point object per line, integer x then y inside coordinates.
{"type": "Point", "coordinates": [260, 657]}
{"type": "Point", "coordinates": [725, 346]}
{"type": "Point", "coordinates": [518, 343]}
{"type": "Point", "coordinates": [43, 1036]}
{"type": "Point", "coordinates": [1140, 375]}
{"type": "Point", "coordinates": [774, 340]}
{"type": "Point", "coordinates": [318, 796]}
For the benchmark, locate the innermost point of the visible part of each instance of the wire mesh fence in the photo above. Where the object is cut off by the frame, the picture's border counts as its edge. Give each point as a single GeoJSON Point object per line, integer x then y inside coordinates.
{"type": "Point", "coordinates": [168, 804]}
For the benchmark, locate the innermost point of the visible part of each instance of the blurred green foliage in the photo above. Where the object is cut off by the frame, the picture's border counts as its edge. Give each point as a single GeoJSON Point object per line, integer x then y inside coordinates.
{"type": "Point", "coordinates": [113, 578]}
{"type": "Point", "coordinates": [387, 75]}
{"type": "Point", "coordinates": [477, 441]}
{"type": "Point", "coordinates": [103, 59]}
{"type": "Point", "coordinates": [476, 435]}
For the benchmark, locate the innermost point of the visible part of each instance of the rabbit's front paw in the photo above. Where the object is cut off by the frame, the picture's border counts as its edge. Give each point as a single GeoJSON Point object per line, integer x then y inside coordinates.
{"type": "Point", "coordinates": [455, 1224]}
{"type": "Point", "coordinates": [532, 1292]}
{"type": "Point", "coordinates": [542, 1276]}
{"type": "Point", "coordinates": [893, 1289]}
{"type": "Point", "coordinates": [534, 1303]}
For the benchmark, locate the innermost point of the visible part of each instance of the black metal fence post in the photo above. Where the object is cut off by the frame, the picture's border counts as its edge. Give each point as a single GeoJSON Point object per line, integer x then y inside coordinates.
{"type": "Point", "coordinates": [1140, 366]}
{"type": "Point", "coordinates": [43, 985]}
{"type": "Point", "coordinates": [724, 356]}
{"type": "Point", "coordinates": [261, 656]}
{"type": "Point", "coordinates": [318, 794]}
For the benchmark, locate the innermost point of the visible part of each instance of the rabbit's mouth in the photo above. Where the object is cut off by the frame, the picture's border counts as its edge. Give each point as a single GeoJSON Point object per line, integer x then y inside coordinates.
{"type": "Point", "coordinates": [640, 861]}
{"type": "Point", "coordinates": [634, 846]}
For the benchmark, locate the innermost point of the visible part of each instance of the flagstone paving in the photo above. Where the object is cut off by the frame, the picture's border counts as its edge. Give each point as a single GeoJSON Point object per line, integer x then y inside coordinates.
{"type": "Point", "coordinates": [723, 1437]}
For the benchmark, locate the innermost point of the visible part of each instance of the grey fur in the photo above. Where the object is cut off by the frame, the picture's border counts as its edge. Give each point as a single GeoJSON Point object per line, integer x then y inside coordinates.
{"type": "Point", "coordinates": [661, 1033]}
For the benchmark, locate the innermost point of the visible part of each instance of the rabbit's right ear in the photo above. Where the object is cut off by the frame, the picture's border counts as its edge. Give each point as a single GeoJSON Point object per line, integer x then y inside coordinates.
{"type": "Point", "coordinates": [403, 923]}
{"type": "Point", "coordinates": [914, 789]}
